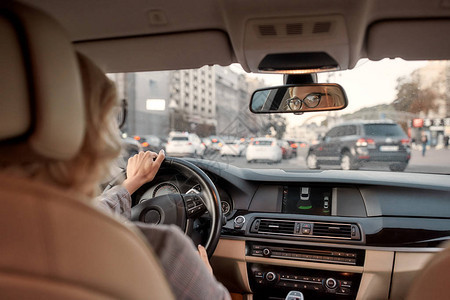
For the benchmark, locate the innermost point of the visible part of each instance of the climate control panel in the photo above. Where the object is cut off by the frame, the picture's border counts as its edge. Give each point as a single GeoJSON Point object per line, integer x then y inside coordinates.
{"type": "Point", "coordinates": [354, 257]}
{"type": "Point", "coordinates": [277, 280]}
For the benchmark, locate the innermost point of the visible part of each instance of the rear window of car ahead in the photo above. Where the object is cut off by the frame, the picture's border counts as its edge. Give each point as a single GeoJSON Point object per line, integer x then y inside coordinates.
{"type": "Point", "coordinates": [383, 130]}
{"type": "Point", "coordinates": [262, 143]}
{"type": "Point", "coordinates": [180, 138]}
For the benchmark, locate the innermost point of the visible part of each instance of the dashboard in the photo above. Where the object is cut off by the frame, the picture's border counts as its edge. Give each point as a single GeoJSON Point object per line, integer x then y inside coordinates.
{"type": "Point", "coordinates": [330, 234]}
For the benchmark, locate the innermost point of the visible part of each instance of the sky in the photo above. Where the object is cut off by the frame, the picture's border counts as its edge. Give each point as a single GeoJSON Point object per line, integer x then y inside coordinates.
{"type": "Point", "coordinates": [369, 83]}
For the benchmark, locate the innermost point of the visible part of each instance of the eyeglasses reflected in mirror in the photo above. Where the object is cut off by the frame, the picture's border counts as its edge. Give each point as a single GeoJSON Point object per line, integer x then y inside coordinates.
{"type": "Point", "coordinates": [299, 98]}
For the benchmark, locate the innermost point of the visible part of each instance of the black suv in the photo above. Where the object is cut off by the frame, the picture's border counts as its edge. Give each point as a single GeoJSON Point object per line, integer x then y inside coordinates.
{"type": "Point", "coordinates": [352, 145]}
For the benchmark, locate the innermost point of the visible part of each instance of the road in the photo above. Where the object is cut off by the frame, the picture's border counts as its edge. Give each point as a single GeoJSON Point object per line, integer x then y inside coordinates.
{"type": "Point", "coordinates": [435, 161]}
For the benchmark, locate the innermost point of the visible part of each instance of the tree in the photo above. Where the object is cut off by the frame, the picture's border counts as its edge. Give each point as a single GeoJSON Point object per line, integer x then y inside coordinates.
{"type": "Point", "coordinates": [411, 98]}
{"type": "Point", "coordinates": [275, 125]}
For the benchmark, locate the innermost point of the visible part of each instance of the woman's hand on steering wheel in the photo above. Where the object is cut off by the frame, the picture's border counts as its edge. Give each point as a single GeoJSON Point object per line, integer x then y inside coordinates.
{"type": "Point", "coordinates": [142, 168]}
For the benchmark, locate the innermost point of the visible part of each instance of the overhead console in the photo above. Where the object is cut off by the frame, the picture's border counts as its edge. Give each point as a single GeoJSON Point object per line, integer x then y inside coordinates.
{"type": "Point", "coordinates": [295, 35]}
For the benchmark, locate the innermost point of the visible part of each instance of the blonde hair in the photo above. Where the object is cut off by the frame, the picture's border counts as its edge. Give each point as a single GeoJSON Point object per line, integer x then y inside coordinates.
{"type": "Point", "coordinates": [101, 142]}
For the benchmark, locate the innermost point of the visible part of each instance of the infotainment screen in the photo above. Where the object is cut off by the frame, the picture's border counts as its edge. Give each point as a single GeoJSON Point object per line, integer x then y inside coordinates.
{"type": "Point", "coordinates": [307, 200]}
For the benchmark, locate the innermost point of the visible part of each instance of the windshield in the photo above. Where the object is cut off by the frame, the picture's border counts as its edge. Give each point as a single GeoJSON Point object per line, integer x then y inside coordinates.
{"type": "Point", "coordinates": [398, 117]}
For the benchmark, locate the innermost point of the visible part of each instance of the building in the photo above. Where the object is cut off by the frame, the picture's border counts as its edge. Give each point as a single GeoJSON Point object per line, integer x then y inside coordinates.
{"type": "Point", "coordinates": [192, 100]}
{"type": "Point", "coordinates": [436, 123]}
{"type": "Point", "coordinates": [209, 100]}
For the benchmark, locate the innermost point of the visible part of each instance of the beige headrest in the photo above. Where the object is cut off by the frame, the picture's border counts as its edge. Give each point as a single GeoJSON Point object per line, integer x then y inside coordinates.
{"type": "Point", "coordinates": [41, 103]}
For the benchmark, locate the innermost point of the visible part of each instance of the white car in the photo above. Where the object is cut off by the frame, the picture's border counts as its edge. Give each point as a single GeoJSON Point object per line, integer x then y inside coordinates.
{"type": "Point", "coordinates": [185, 145]}
{"type": "Point", "coordinates": [233, 148]}
{"type": "Point", "coordinates": [264, 149]}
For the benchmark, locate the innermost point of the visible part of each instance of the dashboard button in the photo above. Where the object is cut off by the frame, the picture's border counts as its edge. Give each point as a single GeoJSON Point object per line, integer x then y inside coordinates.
{"type": "Point", "coordinates": [270, 276]}
{"type": "Point", "coordinates": [331, 283]}
{"type": "Point", "coordinates": [316, 287]}
{"type": "Point", "coordinates": [239, 222]}
{"type": "Point", "coordinates": [346, 283]}
{"type": "Point", "coordinates": [266, 252]}
{"type": "Point", "coordinates": [257, 252]}
{"type": "Point", "coordinates": [306, 230]}
{"type": "Point", "coordinates": [343, 290]}
{"type": "Point", "coordinates": [258, 274]}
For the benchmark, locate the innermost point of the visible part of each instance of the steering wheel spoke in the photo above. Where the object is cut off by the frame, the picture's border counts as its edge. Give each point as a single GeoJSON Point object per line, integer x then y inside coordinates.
{"type": "Point", "coordinates": [195, 205]}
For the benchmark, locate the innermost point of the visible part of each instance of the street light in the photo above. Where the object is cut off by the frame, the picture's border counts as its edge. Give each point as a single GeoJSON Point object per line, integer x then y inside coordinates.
{"type": "Point", "coordinates": [173, 106]}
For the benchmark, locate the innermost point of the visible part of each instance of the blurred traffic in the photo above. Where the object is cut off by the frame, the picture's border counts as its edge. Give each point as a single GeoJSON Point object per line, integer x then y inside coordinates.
{"type": "Point", "coordinates": [381, 145]}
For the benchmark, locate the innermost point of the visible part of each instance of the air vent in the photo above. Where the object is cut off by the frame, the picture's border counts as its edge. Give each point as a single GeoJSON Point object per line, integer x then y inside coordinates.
{"type": "Point", "coordinates": [276, 226]}
{"type": "Point", "coordinates": [267, 30]}
{"type": "Point", "coordinates": [321, 27]}
{"type": "Point", "coordinates": [306, 229]}
{"type": "Point", "coordinates": [333, 230]}
{"type": "Point", "coordinates": [294, 29]}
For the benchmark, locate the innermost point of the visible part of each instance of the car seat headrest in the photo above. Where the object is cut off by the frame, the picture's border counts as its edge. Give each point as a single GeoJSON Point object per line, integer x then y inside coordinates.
{"type": "Point", "coordinates": [42, 108]}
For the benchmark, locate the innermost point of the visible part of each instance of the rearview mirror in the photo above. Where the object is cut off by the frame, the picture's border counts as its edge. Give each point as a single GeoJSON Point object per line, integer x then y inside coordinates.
{"type": "Point", "coordinates": [297, 98]}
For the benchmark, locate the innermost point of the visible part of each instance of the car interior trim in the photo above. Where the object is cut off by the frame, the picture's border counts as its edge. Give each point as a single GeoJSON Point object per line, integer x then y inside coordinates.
{"type": "Point", "coordinates": [405, 267]}
{"type": "Point", "coordinates": [344, 246]}
{"type": "Point", "coordinates": [376, 273]}
{"type": "Point", "coordinates": [304, 264]}
{"type": "Point", "coordinates": [414, 33]}
{"type": "Point", "coordinates": [136, 56]}
{"type": "Point", "coordinates": [334, 202]}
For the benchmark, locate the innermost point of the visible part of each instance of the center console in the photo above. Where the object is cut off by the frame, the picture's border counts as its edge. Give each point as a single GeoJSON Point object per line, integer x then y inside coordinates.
{"type": "Point", "coordinates": [269, 281]}
{"type": "Point", "coordinates": [274, 282]}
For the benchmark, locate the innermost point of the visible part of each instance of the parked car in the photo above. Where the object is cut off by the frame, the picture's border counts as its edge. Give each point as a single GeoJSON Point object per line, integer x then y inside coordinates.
{"type": "Point", "coordinates": [353, 145]}
{"type": "Point", "coordinates": [151, 142]}
{"type": "Point", "coordinates": [264, 149]}
{"type": "Point", "coordinates": [301, 144]}
{"type": "Point", "coordinates": [214, 143]}
{"type": "Point", "coordinates": [185, 145]}
{"type": "Point", "coordinates": [293, 146]}
{"type": "Point", "coordinates": [296, 145]}
{"type": "Point", "coordinates": [286, 149]}
{"type": "Point", "coordinates": [233, 148]}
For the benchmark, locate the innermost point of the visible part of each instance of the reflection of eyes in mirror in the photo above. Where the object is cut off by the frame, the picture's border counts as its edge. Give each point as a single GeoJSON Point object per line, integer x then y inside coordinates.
{"type": "Point", "coordinates": [299, 98]}
{"type": "Point", "coordinates": [311, 101]}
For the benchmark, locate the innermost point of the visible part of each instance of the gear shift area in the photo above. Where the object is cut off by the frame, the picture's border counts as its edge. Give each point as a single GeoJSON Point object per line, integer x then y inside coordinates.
{"type": "Point", "coordinates": [294, 295]}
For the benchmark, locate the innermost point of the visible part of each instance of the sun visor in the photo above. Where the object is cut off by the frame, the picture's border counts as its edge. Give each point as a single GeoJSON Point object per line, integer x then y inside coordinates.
{"type": "Point", "coordinates": [409, 39]}
{"type": "Point", "coordinates": [160, 52]}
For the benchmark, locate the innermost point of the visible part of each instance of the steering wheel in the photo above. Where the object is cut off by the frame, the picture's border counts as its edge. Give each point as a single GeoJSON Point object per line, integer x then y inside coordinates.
{"type": "Point", "coordinates": [183, 209]}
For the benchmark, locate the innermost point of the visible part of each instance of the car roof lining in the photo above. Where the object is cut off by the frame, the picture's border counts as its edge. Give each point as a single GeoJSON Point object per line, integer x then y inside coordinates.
{"type": "Point", "coordinates": [113, 27]}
